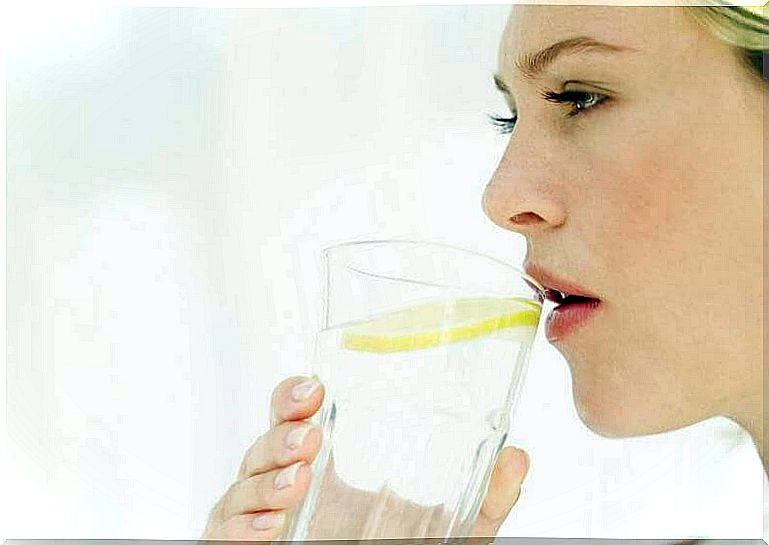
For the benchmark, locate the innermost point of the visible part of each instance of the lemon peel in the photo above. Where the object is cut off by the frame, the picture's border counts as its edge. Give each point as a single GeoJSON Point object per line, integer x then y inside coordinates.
{"type": "Point", "coordinates": [435, 323]}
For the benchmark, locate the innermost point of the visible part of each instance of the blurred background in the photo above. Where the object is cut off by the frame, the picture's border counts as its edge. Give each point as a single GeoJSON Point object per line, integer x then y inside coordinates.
{"type": "Point", "coordinates": [172, 175]}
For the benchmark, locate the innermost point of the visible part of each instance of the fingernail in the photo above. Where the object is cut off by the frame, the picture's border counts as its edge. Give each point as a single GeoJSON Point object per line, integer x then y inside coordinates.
{"type": "Point", "coordinates": [303, 390]}
{"type": "Point", "coordinates": [287, 476]}
{"type": "Point", "coordinates": [295, 437]}
{"type": "Point", "coordinates": [265, 521]}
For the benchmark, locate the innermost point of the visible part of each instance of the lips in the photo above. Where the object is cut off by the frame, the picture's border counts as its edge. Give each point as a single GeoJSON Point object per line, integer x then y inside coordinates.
{"type": "Point", "coordinates": [561, 292]}
{"type": "Point", "coordinates": [574, 304]}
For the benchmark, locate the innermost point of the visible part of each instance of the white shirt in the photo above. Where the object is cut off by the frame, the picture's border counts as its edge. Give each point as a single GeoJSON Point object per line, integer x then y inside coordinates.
{"type": "Point", "coordinates": [766, 508]}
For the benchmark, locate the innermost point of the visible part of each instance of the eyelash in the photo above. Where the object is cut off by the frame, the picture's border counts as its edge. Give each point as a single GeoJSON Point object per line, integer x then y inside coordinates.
{"type": "Point", "coordinates": [505, 125]}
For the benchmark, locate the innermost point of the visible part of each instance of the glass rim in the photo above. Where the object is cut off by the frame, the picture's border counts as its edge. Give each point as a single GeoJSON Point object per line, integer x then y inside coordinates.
{"type": "Point", "coordinates": [533, 282]}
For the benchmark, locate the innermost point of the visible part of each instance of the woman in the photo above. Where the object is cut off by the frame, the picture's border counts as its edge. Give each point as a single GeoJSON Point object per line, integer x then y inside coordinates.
{"type": "Point", "coordinates": [634, 170]}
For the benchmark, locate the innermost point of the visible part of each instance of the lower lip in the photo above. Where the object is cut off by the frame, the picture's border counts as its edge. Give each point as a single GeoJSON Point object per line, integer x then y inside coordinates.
{"type": "Point", "coordinates": [566, 318]}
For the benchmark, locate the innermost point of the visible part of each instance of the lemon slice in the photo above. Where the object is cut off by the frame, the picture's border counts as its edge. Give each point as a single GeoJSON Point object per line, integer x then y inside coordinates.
{"type": "Point", "coordinates": [440, 322]}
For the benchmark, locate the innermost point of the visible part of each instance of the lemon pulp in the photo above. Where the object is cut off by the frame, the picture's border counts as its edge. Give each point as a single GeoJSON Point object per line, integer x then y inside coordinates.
{"type": "Point", "coordinates": [440, 322]}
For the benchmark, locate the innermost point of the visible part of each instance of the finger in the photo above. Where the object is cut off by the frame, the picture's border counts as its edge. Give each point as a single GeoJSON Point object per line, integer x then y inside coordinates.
{"type": "Point", "coordinates": [277, 489]}
{"type": "Point", "coordinates": [263, 526]}
{"type": "Point", "coordinates": [283, 445]}
{"type": "Point", "coordinates": [295, 398]}
{"type": "Point", "coordinates": [503, 492]}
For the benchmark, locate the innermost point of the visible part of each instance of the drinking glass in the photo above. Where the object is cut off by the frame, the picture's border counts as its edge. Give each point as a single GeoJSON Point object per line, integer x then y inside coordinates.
{"type": "Point", "coordinates": [422, 353]}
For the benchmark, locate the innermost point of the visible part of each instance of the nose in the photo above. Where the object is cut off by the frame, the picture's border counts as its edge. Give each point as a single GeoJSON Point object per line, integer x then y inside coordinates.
{"type": "Point", "coordinates": [522, 193]}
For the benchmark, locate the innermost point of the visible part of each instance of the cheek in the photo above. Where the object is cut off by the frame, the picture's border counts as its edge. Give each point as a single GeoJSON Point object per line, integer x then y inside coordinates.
{"type": "Point", "coordinates": [634, 221]}
{"type": "Point", "coordinates": [668, 221]}
{"type": "Point", "coordinates": [661, 260]}
{"type": "Point", "coordinates": [642, 197]}
{"type": "Point", "coordinates": [678, 228]}
{"type": "Point", "coordinates": [638, 225]}
{"type": "Point", "coordinates": [661, 222]}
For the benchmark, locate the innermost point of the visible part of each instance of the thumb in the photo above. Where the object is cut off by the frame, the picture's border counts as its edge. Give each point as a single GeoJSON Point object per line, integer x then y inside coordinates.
{"type": "Point", "coordinates": [503, 492]}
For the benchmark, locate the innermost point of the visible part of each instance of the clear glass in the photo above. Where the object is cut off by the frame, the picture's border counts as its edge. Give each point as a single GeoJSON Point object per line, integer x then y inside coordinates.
{"type": "Point", "coordinates": [410, 436]}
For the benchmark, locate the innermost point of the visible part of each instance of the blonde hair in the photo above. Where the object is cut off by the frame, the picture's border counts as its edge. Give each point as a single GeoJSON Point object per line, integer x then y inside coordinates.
{"type": "Point", "coordinates": [746, 28]}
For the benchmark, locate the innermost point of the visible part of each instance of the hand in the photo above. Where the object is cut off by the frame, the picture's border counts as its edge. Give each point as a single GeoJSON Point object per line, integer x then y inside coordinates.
{"type": "Point", "coordinates": [254, 509]}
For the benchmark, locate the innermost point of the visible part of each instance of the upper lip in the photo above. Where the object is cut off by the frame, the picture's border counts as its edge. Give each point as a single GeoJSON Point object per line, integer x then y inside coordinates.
{"type": "Point", "coordinates": [553, 285]}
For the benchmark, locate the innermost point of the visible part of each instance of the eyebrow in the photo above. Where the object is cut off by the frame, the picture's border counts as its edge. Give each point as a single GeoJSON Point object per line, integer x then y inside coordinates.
{"type": "Point", "coordinates": [530, 65]}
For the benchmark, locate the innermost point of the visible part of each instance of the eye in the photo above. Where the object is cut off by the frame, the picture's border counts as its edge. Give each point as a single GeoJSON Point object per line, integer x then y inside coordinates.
{"type": "Point", "coordinates": [504, 125]}
{"type": "Point", "coordinates": [580, 100]}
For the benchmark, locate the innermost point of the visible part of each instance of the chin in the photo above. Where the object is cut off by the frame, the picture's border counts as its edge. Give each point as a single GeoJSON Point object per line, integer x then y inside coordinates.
{"type": "Point", "coordinates": [601, 426]}
{"type": "Point", "coordinates": [615, 416]}
{"type": "Point", "coordinates": [619, 418]}
{"type": "Point", "coordinates": [612, 403]}
{"type": "Point", "coordinates": [608, 430]}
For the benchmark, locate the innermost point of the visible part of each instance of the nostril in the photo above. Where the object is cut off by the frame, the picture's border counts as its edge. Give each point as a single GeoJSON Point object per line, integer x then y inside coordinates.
{"type": "Point", "coordinates": [524, 218]}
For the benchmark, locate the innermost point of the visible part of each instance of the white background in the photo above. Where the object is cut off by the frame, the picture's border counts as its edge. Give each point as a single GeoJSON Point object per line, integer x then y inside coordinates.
{"type": "Point", "coordinates": [172, 175]}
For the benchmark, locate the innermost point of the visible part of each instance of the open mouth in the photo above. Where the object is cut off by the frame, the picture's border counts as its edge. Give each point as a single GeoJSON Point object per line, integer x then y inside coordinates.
{"type": "Point", "coordinates": [573, 307]}
{"type": "Point", "coordinates": [562, 299]}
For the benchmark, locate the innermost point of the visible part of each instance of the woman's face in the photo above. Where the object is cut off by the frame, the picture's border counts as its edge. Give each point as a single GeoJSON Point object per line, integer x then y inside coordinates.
{"type": "Point", "coordinates": [650, 198]}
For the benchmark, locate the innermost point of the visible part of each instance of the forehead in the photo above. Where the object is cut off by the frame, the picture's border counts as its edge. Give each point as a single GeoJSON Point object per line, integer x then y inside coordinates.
{"type": "Point", "coordinates": [653, 31]}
